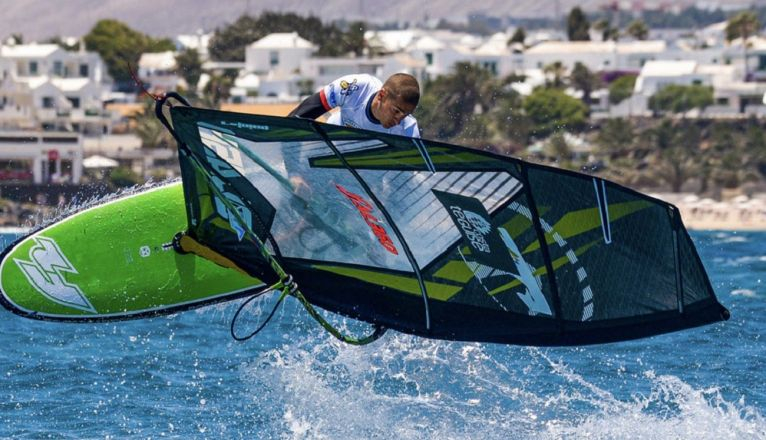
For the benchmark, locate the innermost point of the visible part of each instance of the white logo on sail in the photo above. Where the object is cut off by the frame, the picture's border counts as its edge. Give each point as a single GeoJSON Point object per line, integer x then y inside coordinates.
{"type": "Point", "coordinates": [45, 271]}
{"type": "Point", "coordinates": [533, 297]}
{"type": "Point", "coordinates": [474, 226]}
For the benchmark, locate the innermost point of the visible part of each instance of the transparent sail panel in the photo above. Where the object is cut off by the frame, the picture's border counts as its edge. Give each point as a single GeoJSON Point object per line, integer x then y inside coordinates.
{"type": "Point", "coordinates": [321, 214]}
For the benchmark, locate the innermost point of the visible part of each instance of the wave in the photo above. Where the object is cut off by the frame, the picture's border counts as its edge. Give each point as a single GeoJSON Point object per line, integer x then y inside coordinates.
{"type": "Point", "coordinates": [412, 388]}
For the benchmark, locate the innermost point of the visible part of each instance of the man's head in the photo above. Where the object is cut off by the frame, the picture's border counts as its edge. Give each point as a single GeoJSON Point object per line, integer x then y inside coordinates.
{"type": "Point", "coordinates": [396, 99]}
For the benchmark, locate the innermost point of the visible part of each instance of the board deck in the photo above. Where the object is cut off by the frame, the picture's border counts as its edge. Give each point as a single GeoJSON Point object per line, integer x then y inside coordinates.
{"type": "Point", "coordinates": [114, 261]}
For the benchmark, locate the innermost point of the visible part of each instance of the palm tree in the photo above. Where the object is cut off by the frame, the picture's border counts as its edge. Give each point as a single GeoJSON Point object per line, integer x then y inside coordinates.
{"type": "Point", "coordinates": [743, 25]}
{"type": "Point", "coordinates": [638, 29]}
{"type": "Point", "coordinates": [149, 129]}
{"type": "Point", "coordinates": [557, 71]}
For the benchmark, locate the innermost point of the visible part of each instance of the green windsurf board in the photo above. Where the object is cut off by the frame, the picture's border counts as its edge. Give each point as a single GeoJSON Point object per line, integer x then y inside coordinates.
{"type": "Point", "coordinates": [114, 261]}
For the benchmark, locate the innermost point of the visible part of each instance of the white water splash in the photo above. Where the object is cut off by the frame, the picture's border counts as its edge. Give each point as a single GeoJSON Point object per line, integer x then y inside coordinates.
{"type": "Point", "coordinates": [406, 387]}
{"type": "Point", "coordinates": [747, 293]}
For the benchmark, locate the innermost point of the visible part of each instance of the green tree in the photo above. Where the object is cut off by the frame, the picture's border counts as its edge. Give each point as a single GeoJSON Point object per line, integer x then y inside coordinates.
{"type": "Point", "coordinates": [229, 43]}
{"type": "Point", "coordinates": [675, 152]}
{"type": "Point", "coordinates": [615, 138]}
{"type": "Point", "coordinates": [149, 129]}
{"type": "Point", "coordinates": [638, 30]}
{"type": "Point", "coordinates": [123, 177]}
{"type": "Point", "coordinates": [584, 80]}
{"type": "Point", "coordinates": [557, 149]}
{"type": "Point", "coordinates": [721, 137]}
{"type": "Point", "coordinates": [119, 45]}
{"type": "Point", "coordinates": [519, 36]}
{"type": "Point", "coordinates": [578, 26]}
{"type": "Point", "coordinates": [621, 88]}
{"type": "Point", "coordinates": [554, 74]}
{"type": "Point", "coordinates": [743, 25]}
{"type": "Point", "coordinates": [350, 41]}
{"type": "Point", "coordinates": [189, 67]}
{"type": "Point", "coordinates": [755, 149]}
{"type": "Point", "coordinates": [735, 154]}
{"type": "Point", "coordinates": [218, 89]}
{"type": "Point", "coordinates": [450, 102]}
{"type": "Point", "coordinates": [677, 98]}
{"type": "Point", "coordinates": [551, 110]}
{"type": "Point", "coordinates": [513, 126]}
{"type": "Point", "coordinates": [607, 31]}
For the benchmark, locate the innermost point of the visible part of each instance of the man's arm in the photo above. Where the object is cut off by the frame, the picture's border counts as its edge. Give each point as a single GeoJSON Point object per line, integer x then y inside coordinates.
{"type": "Point", "coordinates": [311, 108]}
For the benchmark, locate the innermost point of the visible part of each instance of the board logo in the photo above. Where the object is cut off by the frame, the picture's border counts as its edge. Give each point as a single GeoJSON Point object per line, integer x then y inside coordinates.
{"type": "Point", "coordinates": [365, 209]}
{"type": "Point", "coordinates": [45, 272]}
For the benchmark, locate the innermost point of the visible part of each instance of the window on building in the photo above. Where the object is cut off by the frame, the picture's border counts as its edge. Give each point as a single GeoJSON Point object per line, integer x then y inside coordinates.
{"type": "Point", "coordinates": [722, 101]}
{"type": "Point", "coordinates": [84, 70]}
{"type": "Point", "coordinates": [74, 100]}
{"type": "Point", "coordinates": [273, 58]}
{"type": "Point", "coordinates": [47, 102]}
{"type": "Point", "coordinates": [491, 66]}
{"type": "Point", "coordinates": [33, 67]}
{"type": "Point", "coordinates": [58, 68]}
{"type": "Point", "coordinates": [697, 82]}
{"type": "Point", "coordinates": [429, 58]}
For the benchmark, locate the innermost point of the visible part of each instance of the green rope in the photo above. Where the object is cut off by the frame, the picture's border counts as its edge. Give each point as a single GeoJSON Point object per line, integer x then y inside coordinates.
{"type": "Point", "coordinates": [372, 337]}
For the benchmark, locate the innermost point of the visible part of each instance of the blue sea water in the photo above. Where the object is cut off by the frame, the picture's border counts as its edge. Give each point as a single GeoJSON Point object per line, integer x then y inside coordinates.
{"type": "Point", "coordinates": [183, 376]}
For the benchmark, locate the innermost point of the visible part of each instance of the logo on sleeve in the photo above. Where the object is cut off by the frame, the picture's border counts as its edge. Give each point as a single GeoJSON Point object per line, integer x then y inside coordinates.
{"type": "Point", "coordinates": [347, 88]}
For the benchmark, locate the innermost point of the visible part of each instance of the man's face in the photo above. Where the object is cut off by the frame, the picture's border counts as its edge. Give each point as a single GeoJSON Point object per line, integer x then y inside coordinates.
{"type": "Point", "coordinates": [392, 110]}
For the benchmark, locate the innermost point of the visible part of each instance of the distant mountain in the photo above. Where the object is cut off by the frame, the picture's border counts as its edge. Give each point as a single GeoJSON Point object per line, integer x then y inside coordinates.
{"type": "Point", "coordinates": [41, 19]}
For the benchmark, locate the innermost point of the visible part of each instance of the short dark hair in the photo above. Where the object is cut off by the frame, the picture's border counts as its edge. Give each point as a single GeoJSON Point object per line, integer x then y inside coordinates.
{"type": "Point", "coordinates": [403, 86]}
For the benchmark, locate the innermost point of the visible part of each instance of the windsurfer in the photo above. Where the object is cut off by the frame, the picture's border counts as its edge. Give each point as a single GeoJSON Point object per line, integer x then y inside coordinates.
{"type": "Point", "coordinates": [366, 102]}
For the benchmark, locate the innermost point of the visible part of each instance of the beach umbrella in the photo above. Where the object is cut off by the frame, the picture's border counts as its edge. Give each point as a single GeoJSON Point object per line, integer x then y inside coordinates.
{"type": "Point", "coordinates": [97, 161]}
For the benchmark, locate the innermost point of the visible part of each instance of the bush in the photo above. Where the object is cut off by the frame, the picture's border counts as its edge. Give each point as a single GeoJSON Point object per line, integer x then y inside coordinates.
{"type": "Point", "coordinates": [123, 177]}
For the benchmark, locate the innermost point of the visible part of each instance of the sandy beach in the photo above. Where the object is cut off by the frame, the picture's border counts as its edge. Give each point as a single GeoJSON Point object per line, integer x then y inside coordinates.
{"type": "Point", "coordinates": [740, 213]}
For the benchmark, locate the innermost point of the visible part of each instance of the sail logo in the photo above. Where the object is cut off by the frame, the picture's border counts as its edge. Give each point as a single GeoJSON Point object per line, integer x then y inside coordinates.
{"type": "Point", "coordinates": [225, 170]}
{"type": "Point", "coordinates": [474, 227]}
{"type": "Point", "coordinates": [365, 209]}
{"type": "Point", "coordinates": [45, 272]}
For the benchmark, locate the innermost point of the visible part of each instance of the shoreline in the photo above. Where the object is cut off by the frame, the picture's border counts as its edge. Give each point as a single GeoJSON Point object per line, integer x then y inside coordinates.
{"type": "Point", "coordinates": [741, 213]}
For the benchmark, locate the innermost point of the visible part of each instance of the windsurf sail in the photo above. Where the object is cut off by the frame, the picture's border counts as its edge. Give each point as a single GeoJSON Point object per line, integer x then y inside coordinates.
{"type": "Point", "coordinates": [434, 239]}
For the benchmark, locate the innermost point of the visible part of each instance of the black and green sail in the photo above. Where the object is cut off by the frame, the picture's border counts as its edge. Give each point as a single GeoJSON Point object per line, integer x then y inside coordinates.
{"type": "Point", "coordinates": [438, 240]}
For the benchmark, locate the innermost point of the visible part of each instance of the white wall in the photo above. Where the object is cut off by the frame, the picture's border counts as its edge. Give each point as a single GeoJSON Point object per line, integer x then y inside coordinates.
{"type": "Point", "coordinates": [258, 60]}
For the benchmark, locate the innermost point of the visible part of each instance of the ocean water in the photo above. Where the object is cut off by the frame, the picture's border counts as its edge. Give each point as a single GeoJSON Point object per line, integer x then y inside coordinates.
{"type": "Point", "coordinates": [183, 376]}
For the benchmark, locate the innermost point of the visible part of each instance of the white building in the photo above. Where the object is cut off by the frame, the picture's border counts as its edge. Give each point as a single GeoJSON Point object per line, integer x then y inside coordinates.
{"type": "Point", "coordinates": [321, 71]}
{"type": "Point", "coordinates": [278, 54]}
{"type": "Point", "coordinates": [40, 157]}
{"type": "Point", "coordinates": [656, 75]}
{"type": "Point", "coordinates": [199, 42]}
{"type": "Point", "coordinates": [597, 56]}
{"type": "Point", "coordinates": [158, 71]}
{"type": "Point", "coordinates": [45, 87]}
